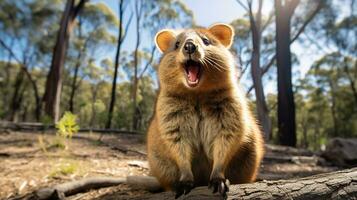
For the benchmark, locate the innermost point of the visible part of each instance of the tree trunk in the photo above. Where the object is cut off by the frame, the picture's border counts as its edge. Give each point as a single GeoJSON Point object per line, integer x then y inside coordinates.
{"type": "Point", "coordinates": [6, 82]}
{"type": "Point", "coordinates": [36, 94]}
{"type": "Point", "coordinates": [333, 109]}
{"type": "Point", "coordinates": [138, 14]}
{"type": "Point", "coordinates": [76, 68]}
{"type": "Point", "coordinates": [304, 132]}
{"type": "Point", "coordinates": [351, 81]}
{"type": "Point", "coordinates": [54, 78]}
{"type": "Point", "coordinates": [262, 108]}
{"type": "Point", "coordinates": [94, 99]}
{"type": "Point", "coordinates": [74, 83]}
{"type": "Point", "coordinates": [310, 17]}
{"type": "Point", "coordinates": [286, 105]}
{"type": "Point", "coordinates": [116, 66]}
{"type": "Point", "coordinates": [15, 100]}
{"type": "Point", "coordinates": [18, 83]}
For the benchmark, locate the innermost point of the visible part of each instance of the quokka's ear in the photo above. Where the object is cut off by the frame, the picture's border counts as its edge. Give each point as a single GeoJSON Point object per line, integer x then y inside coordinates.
{"type": "Point", "coordinates": [164, 38]}
{"type": "Point", "coordinates": [223, 32]}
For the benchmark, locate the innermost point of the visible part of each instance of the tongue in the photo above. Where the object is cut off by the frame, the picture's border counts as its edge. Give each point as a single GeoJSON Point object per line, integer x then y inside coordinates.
{"type": "Point", "coordinates": [192, 73]}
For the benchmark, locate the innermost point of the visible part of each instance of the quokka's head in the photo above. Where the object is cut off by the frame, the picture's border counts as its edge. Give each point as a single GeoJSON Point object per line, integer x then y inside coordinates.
{"type": "Point", "coordinates": [196, 59]}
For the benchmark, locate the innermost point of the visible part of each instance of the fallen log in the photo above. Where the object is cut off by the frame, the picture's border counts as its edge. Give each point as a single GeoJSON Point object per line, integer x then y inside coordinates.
{"type": "Point", "coordinates": [70, 188]}
{"type": "Point", "coordinates": [334, 185]}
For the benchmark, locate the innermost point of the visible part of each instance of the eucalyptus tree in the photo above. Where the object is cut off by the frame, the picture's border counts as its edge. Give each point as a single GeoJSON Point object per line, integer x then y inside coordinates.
{"type": "Point", "coordinates": [284, 12]}
{"type": "Point", "coordinates": [53, 87]}
{"type": "Point", "coordinates": [257, 26]}
{"type": "Point", "coordinates": [91, 37]}
{"type": "Point", "coordinates": [27, 46]}
{"type": "Point", "coordinates": [122, 33]}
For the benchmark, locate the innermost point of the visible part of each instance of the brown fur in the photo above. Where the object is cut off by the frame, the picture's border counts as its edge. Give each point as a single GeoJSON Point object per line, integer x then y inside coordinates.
{"type": "Point", "coordinates": [206, 132]}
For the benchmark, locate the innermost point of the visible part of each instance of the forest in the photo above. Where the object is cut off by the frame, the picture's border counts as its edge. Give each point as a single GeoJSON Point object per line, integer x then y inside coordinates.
{"type": "Point", "coordinates": [95, 61]}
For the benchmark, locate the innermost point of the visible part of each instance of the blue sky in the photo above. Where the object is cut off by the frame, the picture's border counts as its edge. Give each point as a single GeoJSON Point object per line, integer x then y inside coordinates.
{"type": "Point", "coordinates": [207, 12]}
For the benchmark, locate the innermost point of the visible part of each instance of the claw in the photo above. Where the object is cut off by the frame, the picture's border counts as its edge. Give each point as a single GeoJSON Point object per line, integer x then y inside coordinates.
{"type": "Point", "coordinates": [219, 185]}
{"type": "Point", "coordinates": [183, 187]}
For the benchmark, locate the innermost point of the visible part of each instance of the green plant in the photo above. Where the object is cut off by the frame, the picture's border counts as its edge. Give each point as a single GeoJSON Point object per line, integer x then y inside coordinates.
{"type": "Point", "coordinates": [67, 125]}
{"type": "Point", "coordinates": [65, 168]}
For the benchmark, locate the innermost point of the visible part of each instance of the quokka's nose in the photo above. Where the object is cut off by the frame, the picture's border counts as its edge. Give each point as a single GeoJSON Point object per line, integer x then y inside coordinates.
{"type": "Point", "coordinates": [189, 47]}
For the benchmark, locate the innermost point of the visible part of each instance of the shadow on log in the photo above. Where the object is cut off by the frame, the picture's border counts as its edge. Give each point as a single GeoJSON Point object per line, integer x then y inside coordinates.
{"type": "Point", "coordinates": [334, 185]}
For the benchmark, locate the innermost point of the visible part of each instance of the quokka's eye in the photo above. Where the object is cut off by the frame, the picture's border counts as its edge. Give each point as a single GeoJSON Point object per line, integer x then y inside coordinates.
{"type": "Point", "coordinates": [206, 41]}
{"type": "Point", "coordinates": [177, 44]}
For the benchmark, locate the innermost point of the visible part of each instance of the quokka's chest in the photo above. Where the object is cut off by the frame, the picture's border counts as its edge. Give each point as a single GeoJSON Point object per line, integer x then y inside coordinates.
{"type": "Point", "coordinates": [199, 120]}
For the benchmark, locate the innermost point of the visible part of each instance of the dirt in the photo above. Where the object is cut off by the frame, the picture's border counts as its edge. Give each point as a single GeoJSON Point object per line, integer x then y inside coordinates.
{"type": "Point", "coordinates": [30, 161]}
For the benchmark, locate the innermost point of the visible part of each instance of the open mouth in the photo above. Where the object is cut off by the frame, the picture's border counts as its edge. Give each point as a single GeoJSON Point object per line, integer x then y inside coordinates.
{"type": "Point", "coordinates": [193, 72]}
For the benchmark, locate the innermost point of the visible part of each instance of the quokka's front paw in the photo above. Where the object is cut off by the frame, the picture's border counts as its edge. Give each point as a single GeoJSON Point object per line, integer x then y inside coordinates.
{"type": "Point", "coordinates": [220, 185]}
{"type": "Point", "coordinates": [185, 184]}
{"type": "Point", "coordinates": [183, 187]}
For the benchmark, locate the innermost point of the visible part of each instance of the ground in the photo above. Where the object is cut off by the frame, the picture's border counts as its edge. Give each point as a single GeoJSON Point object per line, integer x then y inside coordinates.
{"type": "Point", "coordinates": [32, 160]}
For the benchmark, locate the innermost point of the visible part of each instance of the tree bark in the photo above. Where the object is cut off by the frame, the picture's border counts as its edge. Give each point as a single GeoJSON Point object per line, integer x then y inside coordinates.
{"type": "Point", "coordinates": [36, 94]}
{"type": "Point", "coordinates": [334, 185]}
{"type": "Point", "coordinates": [76, 68]}
{"type": "Point", "coordinates": [116, 66]}
{"type": "Point", "coordinates": [286, 104]}
{"type": "Point", "coordinates": [15, 100]}
{"type": "Point", "coordinates": [333, 108]}
{"type": "Point", "coordinates": [54, 78]}
{"type": "Point", "coordinates": [138, 14]}
{"type": "Point", "coordinates": [351, 81]}
{"type": "Point", "coordinates": [94, 89]}
{"type": "Point", "coordinates": [256, 71]}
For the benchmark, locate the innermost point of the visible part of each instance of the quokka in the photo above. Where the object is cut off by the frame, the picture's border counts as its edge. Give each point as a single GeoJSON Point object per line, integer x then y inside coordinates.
{"type": "Point", "coordinates": [202, 131]}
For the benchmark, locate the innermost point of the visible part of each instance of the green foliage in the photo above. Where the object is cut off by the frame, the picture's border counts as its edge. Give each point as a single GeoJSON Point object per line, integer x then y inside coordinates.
{"type": "Point", "coordinates": [67, 125]}
{"type": "Point", "coordinates": [65, 168]}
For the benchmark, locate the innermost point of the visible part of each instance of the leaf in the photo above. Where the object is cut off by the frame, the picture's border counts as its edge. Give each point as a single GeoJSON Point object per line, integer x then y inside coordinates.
{"type": "Point", "coordinates": [67, 126]}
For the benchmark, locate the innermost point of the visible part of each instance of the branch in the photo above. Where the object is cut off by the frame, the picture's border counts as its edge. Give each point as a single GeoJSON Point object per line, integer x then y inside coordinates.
{"type": "Point", "coordinates": [22, 65]}
{"type": "Point", "coordinates": [291, 6]}
{"type": "Point", "coordinates": [326, 50]}
{"type": "Point", "coordinates": [70, 188]}
{"type": "Point", "coordinates": [149, 62]}
{"type": "Point", "coordinates": [264, 70]}
{"type": "Point", "coordinates": [10, 51]}
{"type": "Point", "coordinates": [245, 67]}
{"type": "Point", "coordinates": [270, 17]}
{"type": "Point", "coordinates": [78, 8]}
{"type": "Point", "coordinates": [308, 20]}
{"type": "Point", "coordinates": [127, 27]}
{"type": "Point", "coordinates": [243, 6]}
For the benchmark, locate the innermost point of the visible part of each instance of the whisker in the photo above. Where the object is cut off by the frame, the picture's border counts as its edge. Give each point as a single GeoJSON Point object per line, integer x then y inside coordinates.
{"type": "Point", "coordinates": [215, 63]}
